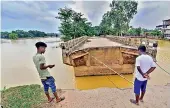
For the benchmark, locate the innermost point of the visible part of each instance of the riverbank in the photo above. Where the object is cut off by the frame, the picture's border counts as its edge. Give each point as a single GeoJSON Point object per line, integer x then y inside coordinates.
{"type": "Point", "coordinates": [49, 39]}
{"type": "Point", "coordinates": [33, 97]}
{"type": "Point", "coordinates": [31, 38]}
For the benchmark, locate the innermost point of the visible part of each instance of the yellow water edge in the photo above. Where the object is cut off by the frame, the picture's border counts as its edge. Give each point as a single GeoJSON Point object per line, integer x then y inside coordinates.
{"type": "Point", "coordinates": [112, 81]}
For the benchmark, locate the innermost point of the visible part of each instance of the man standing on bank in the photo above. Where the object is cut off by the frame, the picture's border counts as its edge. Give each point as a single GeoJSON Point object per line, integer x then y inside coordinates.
{"type": "Point", "coordinates": [143, 67]}
{"type": "Point", "coordinates": [42, 68]}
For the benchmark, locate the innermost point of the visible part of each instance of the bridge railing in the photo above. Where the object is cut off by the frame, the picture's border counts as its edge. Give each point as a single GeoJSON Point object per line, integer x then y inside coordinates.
{"type": "Point", "coordinates": [151, 45]}
{"type": "Point", "coordinates": [73, 44]}
{"type": "Point", "coordinates": [132, 41]}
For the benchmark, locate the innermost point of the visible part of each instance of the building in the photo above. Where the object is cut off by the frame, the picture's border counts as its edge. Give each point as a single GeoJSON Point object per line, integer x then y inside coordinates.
{"type": "Point", "coordinates": [165, 28]}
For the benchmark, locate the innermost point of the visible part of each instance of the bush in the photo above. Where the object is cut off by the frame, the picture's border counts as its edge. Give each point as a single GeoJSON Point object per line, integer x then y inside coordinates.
{"type": "Point", "coordinates": [13, 36]}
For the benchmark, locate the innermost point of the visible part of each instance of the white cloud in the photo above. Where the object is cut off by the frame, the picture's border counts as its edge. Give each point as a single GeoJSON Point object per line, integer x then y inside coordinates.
{"type": "Point", "coordinates": [43, 13]}
{"type": "Point", "coordinates": [29, 11]}
{"type": "Point", "coordinates": [29, 8]}
{"type": "Point", "coordinates": [92, 10]}
{"type": "Point", "coordinates": [78, 7]}
{"type": "Point", "coordinates": [151, 13]}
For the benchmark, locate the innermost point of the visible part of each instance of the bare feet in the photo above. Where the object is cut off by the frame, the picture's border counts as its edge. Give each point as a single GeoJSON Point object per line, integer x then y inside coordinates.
{"type": "Point", "coordinates": [141, 100]}
{"type": "Point", "coordinates": [134, 101]}
{"type": "Point", "coordinates": [60, 99]}
{"type": "Point", "coordinates": [50, 100]}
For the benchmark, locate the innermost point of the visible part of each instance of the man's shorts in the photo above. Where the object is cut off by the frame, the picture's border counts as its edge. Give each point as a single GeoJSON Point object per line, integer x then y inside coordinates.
{"type": "Point", "coordinates": [49, 82]}
{"type": "Point", "coordinates": [139, 85]}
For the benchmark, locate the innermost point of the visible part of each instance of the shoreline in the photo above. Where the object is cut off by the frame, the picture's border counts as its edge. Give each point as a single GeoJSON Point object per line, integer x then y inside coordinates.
{"type": "Point", "coordinates": [31, 38]}
{"type": "Point", "coordinates": [20, 39]}
{"type": "Point", "coordinates": [166, 39]}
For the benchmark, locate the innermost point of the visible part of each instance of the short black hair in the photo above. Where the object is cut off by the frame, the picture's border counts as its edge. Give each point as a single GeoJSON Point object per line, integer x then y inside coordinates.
{"type": "Point", "coordinates": [142, 48]}
{"type": "Point", "coordinates": [40, 44]}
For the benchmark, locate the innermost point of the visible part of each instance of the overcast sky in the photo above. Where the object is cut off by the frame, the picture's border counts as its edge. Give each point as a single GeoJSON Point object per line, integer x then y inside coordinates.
{"type": "Point", "coordinates": [40, 15]}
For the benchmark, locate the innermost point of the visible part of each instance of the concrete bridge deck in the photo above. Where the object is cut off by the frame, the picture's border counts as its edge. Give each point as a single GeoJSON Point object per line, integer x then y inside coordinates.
{"type": "Point", "coordinates": [101, 42]}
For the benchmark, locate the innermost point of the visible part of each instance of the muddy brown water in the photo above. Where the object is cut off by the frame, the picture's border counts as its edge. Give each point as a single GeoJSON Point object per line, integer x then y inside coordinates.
{"type": "Point", "coordinates": [17, 67]}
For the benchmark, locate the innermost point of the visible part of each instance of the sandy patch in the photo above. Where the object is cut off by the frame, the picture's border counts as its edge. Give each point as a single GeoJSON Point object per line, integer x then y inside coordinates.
{"type": "Point", "coordinates": [156, 97]}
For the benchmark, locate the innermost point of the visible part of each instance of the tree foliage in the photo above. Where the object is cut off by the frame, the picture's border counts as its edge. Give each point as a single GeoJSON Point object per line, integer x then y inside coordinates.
{"type": "Point", "coordinates": [156, 33]}
{"type": "Point", "coordinates": [4, 34]}
{"type": "Point", "coordinates": [13, 36]}
{"type": "Point", "coordinates": [132, 32]}
{"type": "Point", "coordinates": [142, 31]}
{"type": "Point", "coordinates": [135, 31]}
{"type": "Point", "coordinates": [73, 24]}
{"type": "Point", "coordinates": [26, 34]}
{"type": "Point", "coordinates": [138, 31]}
{"type": "Point", "coordinates": [116, 21]}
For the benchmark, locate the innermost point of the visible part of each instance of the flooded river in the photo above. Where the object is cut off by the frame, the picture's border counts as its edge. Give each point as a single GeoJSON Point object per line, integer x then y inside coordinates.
{"type": "Point", "coordinates": [17, 67]}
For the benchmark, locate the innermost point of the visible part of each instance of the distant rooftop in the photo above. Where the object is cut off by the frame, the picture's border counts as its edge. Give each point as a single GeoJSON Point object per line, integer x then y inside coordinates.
{"type": "Point", "coordinates": [163, 25]}
{"type": "Point", "coordinates": [167, 20]}
{"type": "Point", "coordinates": [159, 25]}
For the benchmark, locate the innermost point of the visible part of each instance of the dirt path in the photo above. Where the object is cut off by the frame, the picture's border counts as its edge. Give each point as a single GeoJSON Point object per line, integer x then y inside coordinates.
{"type": "Point", "coordinates": [156, 97]}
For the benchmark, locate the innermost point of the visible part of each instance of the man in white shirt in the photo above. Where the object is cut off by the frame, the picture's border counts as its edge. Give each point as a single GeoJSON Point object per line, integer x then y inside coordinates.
{"type": "Point", "coordinates": [143, 67]}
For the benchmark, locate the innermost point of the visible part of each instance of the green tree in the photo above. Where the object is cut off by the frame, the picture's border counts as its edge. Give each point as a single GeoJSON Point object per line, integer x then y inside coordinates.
{"type": "Point", "coordinates": [24, 34]}
{"type": "Point", "coordinates": [135, 31]}
{"type": "Point", "coordinates": [96, 30]}
{"type": "Point", "coordinates": [138, 31]}
{"type": "Point", "coordinates": [132, 31]}
{"type": "Point", "coordinates": [4, 34]}
{"type": "Point", "coordinates": [13, 36]}
{"type": "Point", "coordinates": [118, 18]}
{"type": "Point", "coordinates": [115, 22]}
{"type": "Point", "coordinates": [156, 33]}
{"type": "Point", "coordinates": [66, 28]}
{"type": "Point", "coordinates": [36, 33]}
{"type": "Point", "coordinates": [106, 24]}
{"type": "Point", "coordinates": [73, 24]}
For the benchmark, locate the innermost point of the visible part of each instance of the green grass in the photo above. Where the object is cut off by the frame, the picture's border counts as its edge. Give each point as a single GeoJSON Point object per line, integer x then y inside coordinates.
{"type": "Point", "coordinates": [28, 96]}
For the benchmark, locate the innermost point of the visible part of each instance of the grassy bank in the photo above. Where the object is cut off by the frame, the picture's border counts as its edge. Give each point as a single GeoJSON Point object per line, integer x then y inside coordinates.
{"type": "Point", "coordinates": [28, 96]}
